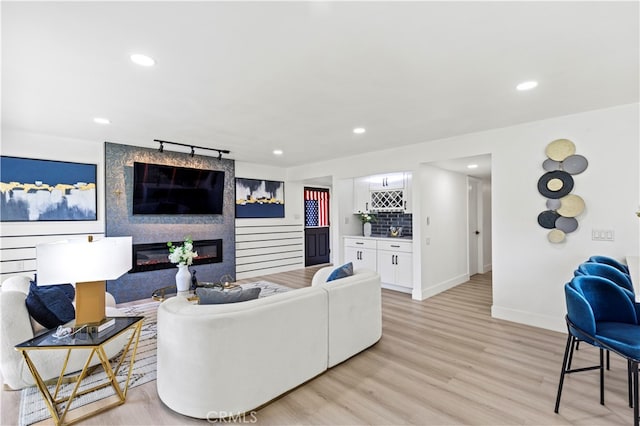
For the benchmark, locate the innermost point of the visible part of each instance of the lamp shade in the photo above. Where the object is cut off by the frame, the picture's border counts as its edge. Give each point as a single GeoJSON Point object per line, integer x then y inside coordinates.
{"type": "Point", "coordinates": [75, 261]}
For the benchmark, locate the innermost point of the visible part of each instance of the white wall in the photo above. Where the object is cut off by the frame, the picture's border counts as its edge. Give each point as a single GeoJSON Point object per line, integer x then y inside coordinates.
{"type": "Point", "coordinates": [343, 221]}
{"type": "Point", "coordinates": [443, 222]}
{"type": "Point", "coordinates": [486, 225]}
{"type": "Point", "coordinates": [528, 271]}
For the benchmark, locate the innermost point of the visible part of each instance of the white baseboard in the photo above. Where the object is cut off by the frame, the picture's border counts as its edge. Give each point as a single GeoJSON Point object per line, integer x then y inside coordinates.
{"type": "Point", "coordinates": [425, 293]}
{"type": "Point", "coordinates": [396, 288]}
{"type": "Point", "coordinates": [529, 318]}
{"type": "Point", "coordinates": [486, 268]}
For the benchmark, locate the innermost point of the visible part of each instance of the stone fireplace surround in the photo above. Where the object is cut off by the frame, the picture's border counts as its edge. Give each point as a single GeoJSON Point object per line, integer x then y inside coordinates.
{"type": "Point", "coordinates": [146, 229]}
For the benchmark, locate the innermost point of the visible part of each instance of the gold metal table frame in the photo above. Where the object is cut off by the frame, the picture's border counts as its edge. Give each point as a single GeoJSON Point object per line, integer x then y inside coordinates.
{"type": "Point", "coordinates": [64, 415]}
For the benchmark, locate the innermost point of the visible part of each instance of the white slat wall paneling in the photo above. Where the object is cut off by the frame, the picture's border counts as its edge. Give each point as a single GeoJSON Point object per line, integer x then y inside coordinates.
{"type": "Point", "coordinates": [267, 249]}
{"type": "Point", "coordinates": [18, 252]}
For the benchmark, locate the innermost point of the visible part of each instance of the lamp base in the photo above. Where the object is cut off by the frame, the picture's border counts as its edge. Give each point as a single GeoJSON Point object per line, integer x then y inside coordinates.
{"type": "Point", "coordinates": [90, 303]}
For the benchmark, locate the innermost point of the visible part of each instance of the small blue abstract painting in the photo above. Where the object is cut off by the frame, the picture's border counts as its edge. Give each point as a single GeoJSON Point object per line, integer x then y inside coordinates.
{"type": "Point", "coordinates": [46, 190]}
{"type": "Point", "coordinates": [257, 198]}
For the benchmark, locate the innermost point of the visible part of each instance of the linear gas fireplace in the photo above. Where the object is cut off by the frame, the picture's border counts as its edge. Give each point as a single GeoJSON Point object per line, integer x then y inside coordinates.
{"type": "Point", "coordinates": [150, 257]}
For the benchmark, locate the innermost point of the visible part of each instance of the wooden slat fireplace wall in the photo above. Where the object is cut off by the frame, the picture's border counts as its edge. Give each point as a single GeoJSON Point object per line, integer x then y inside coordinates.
{"type": "Point", "coordinates": [267, 249]}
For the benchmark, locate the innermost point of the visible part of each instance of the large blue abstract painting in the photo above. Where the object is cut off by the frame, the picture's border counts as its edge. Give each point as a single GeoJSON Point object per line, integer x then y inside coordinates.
{"type": "Point", "coordinates": [45, 190]}
{"type": "Point", "coordinates": [257, 198]}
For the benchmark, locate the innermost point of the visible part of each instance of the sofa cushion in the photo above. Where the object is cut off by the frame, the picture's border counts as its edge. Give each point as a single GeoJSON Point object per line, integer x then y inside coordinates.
{"type": "Point", "coordinates": [212, 296]}
{"type": "Point", "coordinates": [343, 271]}
{"type": "Point", "coordinates": [51, 305]}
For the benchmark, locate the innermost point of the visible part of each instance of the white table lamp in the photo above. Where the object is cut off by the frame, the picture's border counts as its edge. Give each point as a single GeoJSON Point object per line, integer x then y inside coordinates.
{"type": "Point", "coordinates": [88, 264]}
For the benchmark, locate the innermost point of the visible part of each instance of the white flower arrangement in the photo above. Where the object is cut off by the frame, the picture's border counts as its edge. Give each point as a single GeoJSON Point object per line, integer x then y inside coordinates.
{"type": "Point", "coordinates": [183, 254]}
{"type": "Point", "coordinates": [367, 217]}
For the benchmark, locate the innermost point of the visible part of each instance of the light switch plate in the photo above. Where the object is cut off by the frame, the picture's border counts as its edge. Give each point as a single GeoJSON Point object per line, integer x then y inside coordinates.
{"type": "Point", "coordinates": [603, 235]}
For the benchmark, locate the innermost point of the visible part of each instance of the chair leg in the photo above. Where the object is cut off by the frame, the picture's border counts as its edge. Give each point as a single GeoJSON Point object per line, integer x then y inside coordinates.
{"type": "Point", "coordinates": [634, 366]}
{"type": "Point", "coordinates": [568, 348]}
{"type": "Point", "coordinates": [574, 346]}
{"type": "Point", "coordinates": [629, 378]}
{"type": "Point", "coordinates": [601, 376]}
{"type": "Point", "coordinates": [608, 359]}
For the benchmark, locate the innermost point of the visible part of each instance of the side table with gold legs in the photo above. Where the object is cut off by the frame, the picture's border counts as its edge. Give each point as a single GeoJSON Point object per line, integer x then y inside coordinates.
{"type": "Point", "coordinates": [58, 405]}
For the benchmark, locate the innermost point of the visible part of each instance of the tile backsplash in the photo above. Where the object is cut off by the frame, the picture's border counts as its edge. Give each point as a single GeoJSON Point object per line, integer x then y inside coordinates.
{"type": "Point", "coordinates": [387, 219]}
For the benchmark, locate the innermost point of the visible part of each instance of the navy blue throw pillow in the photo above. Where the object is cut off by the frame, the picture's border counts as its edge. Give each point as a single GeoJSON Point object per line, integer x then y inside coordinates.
{"type": "Point", "coordinates": [51, 305]}
{"type": "Point", "coordinates": [344, 271]}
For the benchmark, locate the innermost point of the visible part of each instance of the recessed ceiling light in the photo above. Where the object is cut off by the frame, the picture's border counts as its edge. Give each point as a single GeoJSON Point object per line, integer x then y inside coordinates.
{"type": "Point", "coordinates": [527, 85]}
{"type": "Point", "coordinates": [277, 152]}
{"type": "Point", "coordinates": [142, 60]}
{"type": "Point", "coordinates": [101, 120]}
{"type": "Point", "coordinates": [359, 130]}
{"type": "Point", "coordinates": [472, 166]}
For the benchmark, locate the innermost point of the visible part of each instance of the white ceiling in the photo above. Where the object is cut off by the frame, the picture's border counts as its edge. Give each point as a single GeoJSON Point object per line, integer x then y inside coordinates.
{"type": "Point", "coordinates": [255, 76]}
{"type": "Point", "coordinates": [461, 165]}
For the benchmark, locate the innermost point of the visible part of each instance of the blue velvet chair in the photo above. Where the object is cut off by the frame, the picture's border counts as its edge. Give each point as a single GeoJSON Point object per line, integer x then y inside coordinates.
{"type": "Point", "coordinates": [612, 274]}
{"type": "Point", "coordinates": [609, 272]}
{"type": "Point", "coordinates": [611, 262]}
{"type": "Point", "coordinates": [600, 312]}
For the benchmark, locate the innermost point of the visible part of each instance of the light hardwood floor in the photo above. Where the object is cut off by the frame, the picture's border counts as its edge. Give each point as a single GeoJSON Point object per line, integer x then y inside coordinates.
{"type": "Point", "coordinates": [441, 361]}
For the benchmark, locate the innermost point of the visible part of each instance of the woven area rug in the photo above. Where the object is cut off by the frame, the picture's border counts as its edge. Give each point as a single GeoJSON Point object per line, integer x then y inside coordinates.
{"type": "Point", "coordinates": [32, 406]}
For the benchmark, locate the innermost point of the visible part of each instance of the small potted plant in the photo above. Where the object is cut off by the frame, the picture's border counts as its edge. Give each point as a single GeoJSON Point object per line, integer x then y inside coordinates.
{"type": "Point", "coordinates": [366, 219]}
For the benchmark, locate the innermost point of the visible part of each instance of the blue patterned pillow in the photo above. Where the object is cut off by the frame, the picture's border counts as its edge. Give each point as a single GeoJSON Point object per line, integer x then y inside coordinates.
{"type": "Point", "coordinates": [341, 272]}
{"type": "Point", "coordinates": [51, 305]}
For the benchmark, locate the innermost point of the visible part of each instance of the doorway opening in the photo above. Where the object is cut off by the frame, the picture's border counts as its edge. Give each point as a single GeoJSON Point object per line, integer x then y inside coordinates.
{"type": "Point", "coordinates": [316, 226]}
{"type": "Point", "coordinates": [457, 197]}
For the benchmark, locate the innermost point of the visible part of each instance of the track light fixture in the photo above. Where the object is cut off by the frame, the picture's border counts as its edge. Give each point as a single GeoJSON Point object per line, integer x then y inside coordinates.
{"type": "Point", "coordinates": [193, 148]}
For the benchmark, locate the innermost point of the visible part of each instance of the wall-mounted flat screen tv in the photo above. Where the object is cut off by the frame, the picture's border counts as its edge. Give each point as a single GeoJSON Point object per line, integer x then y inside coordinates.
{"type": "Point", "coordinates": [162, 189]}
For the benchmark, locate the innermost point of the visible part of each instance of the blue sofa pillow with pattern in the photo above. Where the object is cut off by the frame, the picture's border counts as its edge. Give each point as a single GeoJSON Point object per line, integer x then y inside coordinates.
{"type": "Point", "coordinates": [343, 271]}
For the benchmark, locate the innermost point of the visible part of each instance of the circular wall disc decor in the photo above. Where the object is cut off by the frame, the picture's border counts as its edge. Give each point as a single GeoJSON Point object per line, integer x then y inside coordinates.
{"type": "Point", "coordinates": [575, 164]}
{"type": "Point", "coordinates": [563, 177]}
{"type": "Point", "coordinates": [555, 184]}
{"type": "Point", "coordinates": [560, 149]}
{"type": "Point", "coordinates": [571, 206]}
{"type": "Point", "coordinates": [547, 219]}
{"type": "Point", "coordinates": [551, 165]}
{"type": "Point", "coordinates": [556, 236]}
{"type": "Point", "coordinates": [553, 204]}
{"type": "Point", "coordinates": [567, 224]}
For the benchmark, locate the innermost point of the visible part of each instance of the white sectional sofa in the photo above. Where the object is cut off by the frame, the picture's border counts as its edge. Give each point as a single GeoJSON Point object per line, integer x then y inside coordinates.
{"type": "Point", "coordinates": [217, 361]}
